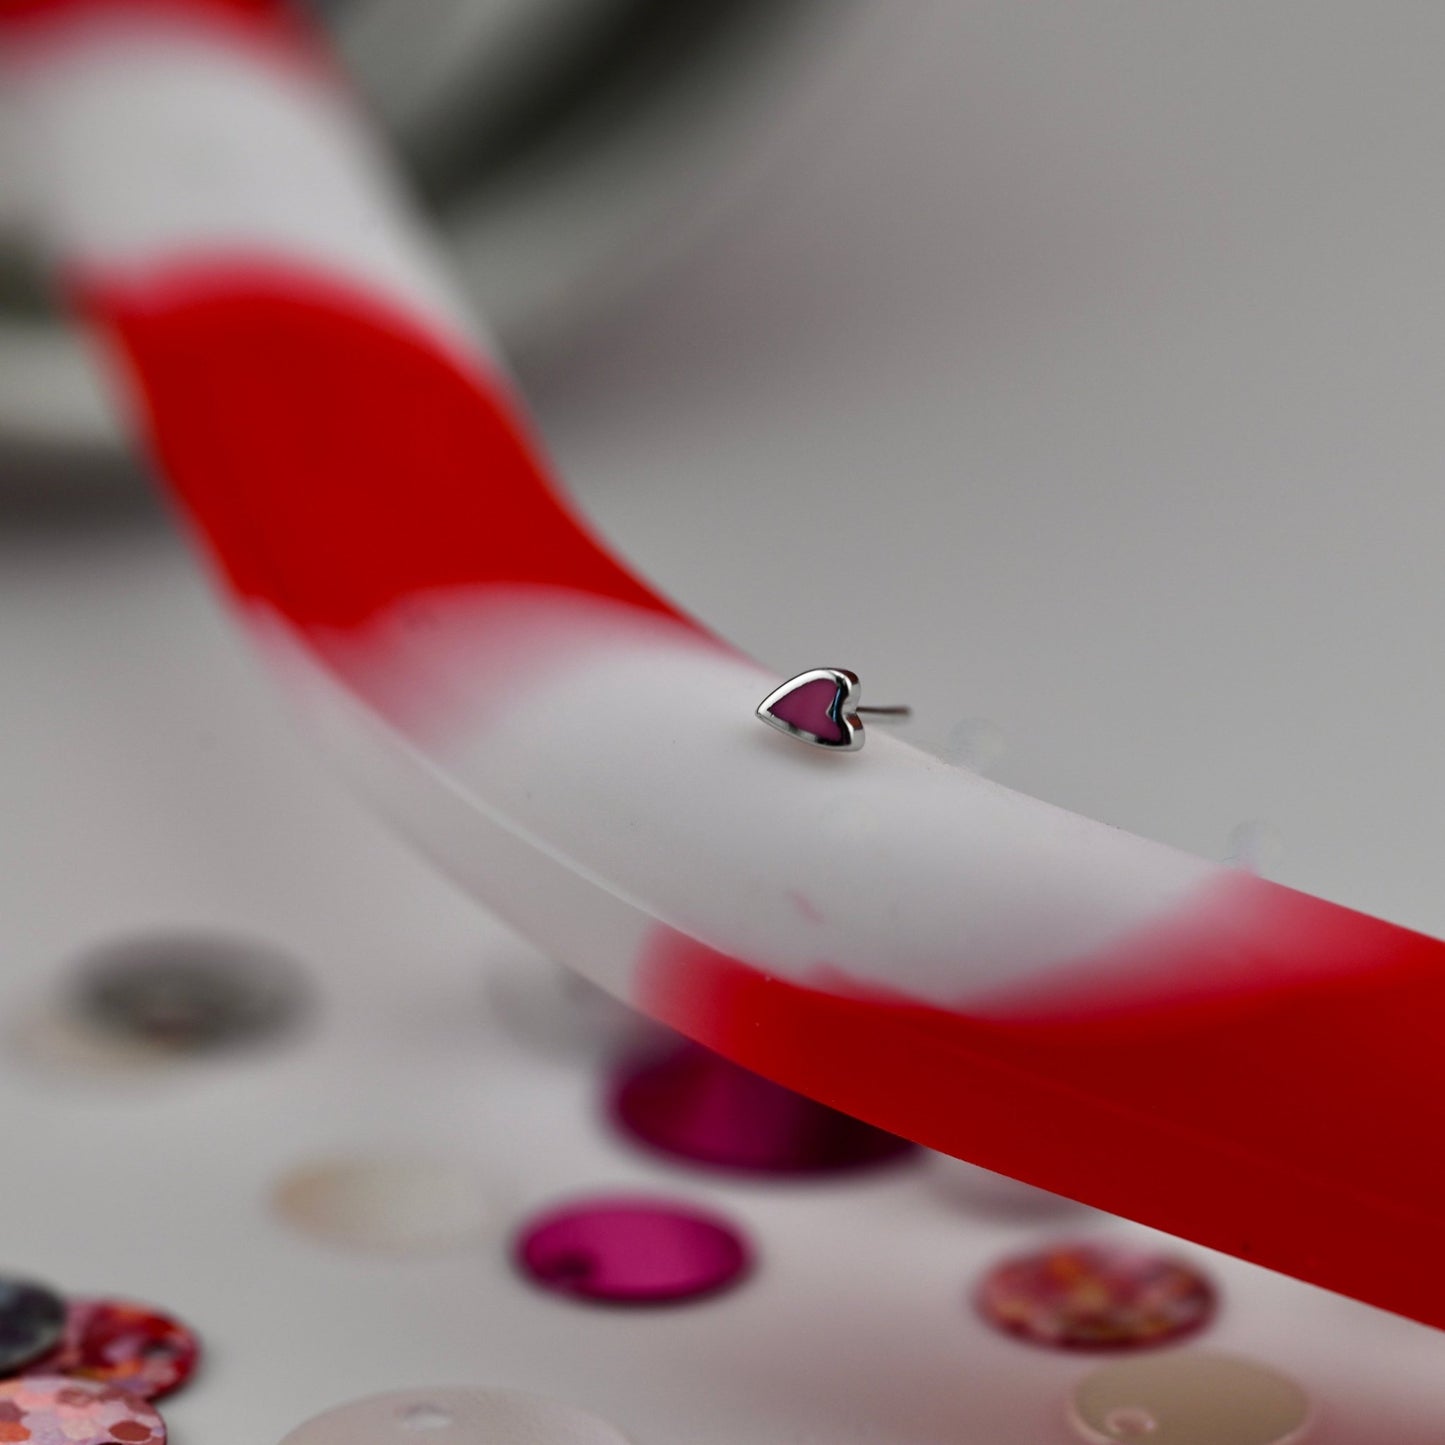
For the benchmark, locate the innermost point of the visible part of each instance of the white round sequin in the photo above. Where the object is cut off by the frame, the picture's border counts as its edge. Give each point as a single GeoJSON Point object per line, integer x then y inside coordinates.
{"type": "Point", "coordinates": [391, 1204]}
{"type": "Point", "coordinates": [1189, 1399]}
{"type": "Point", "coordinates": [452, 1416]}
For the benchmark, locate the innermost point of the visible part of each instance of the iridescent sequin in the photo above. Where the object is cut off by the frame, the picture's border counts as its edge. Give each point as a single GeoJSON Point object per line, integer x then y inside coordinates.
{"type": "Point", "coordinates": [32, 1319]}
{"type": "Point", "coordinates": [691, 1103]}
{"type": "Point", "coordinates": [1091, 1296]}
{"type": "Point", "coordinates": [56, 1410]}
{"type": "Point", "coordinates": [632, 1251]}
{"type": "Point", "coordinates": [127, 1345]}
{"type": "Point", "coordinates": [1189, 1399]}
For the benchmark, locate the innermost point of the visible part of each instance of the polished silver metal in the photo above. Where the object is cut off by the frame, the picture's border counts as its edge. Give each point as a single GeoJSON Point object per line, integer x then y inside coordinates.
{"type": "Point", "coordinates": [843, 711]}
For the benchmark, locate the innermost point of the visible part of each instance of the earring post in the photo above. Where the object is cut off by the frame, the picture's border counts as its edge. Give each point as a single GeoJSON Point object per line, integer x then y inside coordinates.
{"type": "Point", "coordinates": [891, 711]}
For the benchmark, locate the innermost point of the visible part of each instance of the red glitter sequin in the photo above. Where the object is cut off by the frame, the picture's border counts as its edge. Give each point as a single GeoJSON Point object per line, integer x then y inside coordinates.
{"type": "Point", "coordinates": [1089, 1296]}
{"type": "Point", "coordinates": [130, 1346]}
{"type": "Point", "coordinates": [632, 1251]}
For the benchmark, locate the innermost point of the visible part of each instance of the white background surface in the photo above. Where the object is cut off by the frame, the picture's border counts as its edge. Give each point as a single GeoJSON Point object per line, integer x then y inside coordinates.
{"type": "Point", "coordinates": [1071, 366]}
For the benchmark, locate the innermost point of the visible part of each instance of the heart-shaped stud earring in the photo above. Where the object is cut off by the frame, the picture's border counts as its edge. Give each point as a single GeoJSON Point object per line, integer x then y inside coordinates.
{"type": "Point", "coordinates": [821, 707]}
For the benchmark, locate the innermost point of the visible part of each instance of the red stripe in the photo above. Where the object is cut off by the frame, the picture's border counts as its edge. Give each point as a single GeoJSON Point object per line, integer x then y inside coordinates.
{"type": "Point", "coordinates": [272, 28]}
{"type": "Point", "coordinates": [336, 457]}
{"type": "Point", "coordinates": [264, 11]}
{"type": "Point", "coordinates": [1296, 1126]}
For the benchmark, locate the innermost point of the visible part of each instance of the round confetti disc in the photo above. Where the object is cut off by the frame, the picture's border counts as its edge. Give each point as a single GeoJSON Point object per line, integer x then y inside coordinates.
{"type": "Point", "coordinates": [393, 1204]}
{"type": "Point", "coordinates": [693, 1104]}
{"type": "Point", "coordinates": [56, 1410]}
{"type": "Point", "coordinates": [32, 1320]}
{"type": "Point", "coordinates": [189, 993]}
{"type": "Point", "coordinates": [1189, 1399]}
{"type": "Point", "coordinates": [454, 1417]}
{"type": "Point", "coordinates": [127, 1345]}
{"type": "Point", "coordinates": [632, 1251]}
{"type": "Point", "coordinates": [1091, 1296]}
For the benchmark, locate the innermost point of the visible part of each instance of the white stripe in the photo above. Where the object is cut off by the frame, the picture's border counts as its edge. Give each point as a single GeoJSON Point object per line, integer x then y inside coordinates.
{"type": "Point", "coordinates": [624, 746]}
{"type": "Point", "coordinates": [155, 144]}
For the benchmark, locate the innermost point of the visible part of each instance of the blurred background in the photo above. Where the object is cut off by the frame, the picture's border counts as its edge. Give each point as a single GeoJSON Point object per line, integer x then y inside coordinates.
{"type": "Point", "coordinates": [1070, 369]}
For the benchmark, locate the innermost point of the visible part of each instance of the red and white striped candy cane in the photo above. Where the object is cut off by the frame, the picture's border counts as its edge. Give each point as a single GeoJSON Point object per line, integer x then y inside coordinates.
{"type": "Point", "coordinates": [1166, 1038]}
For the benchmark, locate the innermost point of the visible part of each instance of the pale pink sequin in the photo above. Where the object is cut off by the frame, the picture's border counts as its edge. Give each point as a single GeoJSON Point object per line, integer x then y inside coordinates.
{"type": "Point", "coordinates": [54, 1410]}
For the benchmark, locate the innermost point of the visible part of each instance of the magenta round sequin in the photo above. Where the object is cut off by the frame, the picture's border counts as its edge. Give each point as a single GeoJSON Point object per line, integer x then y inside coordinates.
{"type": "Point", "coordinates": [127, 1345]}
{"type": "Point", "coordinates": [632, 1251]}
{"type": "Point", "coordinates": [56, 1410]}
{"type": "Point", "coordinates": [693, 1104]}
{"type": "Point", "coordinates": [1093, 1296]}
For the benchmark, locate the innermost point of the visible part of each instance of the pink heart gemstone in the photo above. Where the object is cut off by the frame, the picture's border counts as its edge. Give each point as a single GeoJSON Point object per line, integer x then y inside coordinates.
{"type": "Point", "coordinates": [813, 707]}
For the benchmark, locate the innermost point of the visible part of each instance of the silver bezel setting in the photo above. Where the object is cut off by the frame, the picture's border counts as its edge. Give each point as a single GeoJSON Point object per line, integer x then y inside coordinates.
{"type": "Point", "coordinates": [843, 711]}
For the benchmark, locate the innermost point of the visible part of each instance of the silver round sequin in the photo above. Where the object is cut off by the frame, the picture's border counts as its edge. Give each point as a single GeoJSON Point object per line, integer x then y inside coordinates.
{"type": "Point", "coordinates": [189, 993]}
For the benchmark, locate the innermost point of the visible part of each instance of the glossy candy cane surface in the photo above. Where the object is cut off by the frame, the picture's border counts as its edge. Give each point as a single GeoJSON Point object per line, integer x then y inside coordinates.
{"type": "Point", "coordinates": [1160, 1036]}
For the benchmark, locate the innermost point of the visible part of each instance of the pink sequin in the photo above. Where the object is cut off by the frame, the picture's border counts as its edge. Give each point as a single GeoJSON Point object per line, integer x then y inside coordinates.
{"type": "Point", "coordinates": [692, 1103]}
{"type": "Point", "coordinates": [56, 1410]}
{"type": "Point", "coordinates": [1091, 1296]}
{"type": "Point", "coordinates": [632, 1251]}
{"type": "Point", "coordinates": [127, 1345]}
